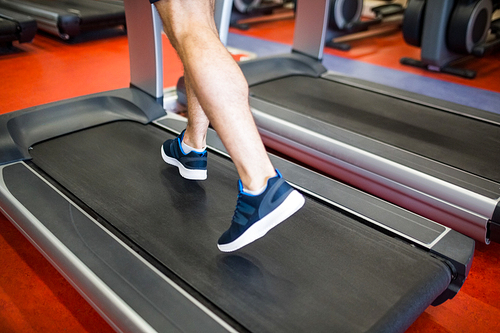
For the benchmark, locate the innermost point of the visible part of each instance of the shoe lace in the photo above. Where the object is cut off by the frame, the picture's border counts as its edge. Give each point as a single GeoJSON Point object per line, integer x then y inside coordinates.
{"type": "Point", "coordinates": [238, 216]}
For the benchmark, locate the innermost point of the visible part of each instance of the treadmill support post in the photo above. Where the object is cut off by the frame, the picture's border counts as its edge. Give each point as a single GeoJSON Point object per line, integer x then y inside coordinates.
{"type": "Point", "coordinates": [223, 10]}
{"type": "Point", "coordinates": [310, 27]}
{"type": "Point", "coordinates": [144, 28]}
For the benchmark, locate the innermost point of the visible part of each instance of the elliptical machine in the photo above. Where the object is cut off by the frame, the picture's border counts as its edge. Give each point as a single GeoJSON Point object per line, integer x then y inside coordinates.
{"type": "Point", "coordinates": [450, 30]}
{"type": "Point", "coordinates": [346, 25]}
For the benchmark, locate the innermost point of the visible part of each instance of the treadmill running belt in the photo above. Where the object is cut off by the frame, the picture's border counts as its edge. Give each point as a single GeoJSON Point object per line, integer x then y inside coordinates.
{"type": "Point", "coordinates": [461, 142]}
{"type": "Point", "coordinates": [319, 271]}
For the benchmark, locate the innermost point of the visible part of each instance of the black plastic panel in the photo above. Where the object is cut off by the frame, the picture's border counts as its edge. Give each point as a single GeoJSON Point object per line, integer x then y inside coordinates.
{"type": "Point", "coordinates": [8, 30]}
{"type": "Point", "coordinates": [21, 129]}
{"type": "Point", "coordinates": [16, 27]}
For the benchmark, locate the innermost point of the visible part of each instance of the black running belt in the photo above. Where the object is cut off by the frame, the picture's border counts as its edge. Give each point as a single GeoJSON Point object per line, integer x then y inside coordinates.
{"type": "Point", "coordinates": [464, 143]}
{"type": "Point", "coordinates": [321, 270]}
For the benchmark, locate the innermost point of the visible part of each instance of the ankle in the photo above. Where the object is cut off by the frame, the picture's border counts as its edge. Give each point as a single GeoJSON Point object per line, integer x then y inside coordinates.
{"type": "Point", "coordinates": [197, 144]}
{"type": "Point", "coordinates": [187, 148]}
{"type": "Point", "coordinates": [256, 184]}
{"type": "Point", "coordinates": [256, 192]}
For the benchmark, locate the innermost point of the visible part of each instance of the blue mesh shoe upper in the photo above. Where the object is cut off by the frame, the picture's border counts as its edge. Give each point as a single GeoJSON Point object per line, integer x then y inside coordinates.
{"type": "Point", "coordinates": [193, 160]}
{"type": "Point", "coordinates": [250, 208]}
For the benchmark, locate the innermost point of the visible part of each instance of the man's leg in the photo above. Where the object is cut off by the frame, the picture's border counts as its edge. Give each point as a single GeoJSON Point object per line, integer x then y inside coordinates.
{"type": "Point", "coordinates": [196, 130]}
{"type": "Point", "coordinates": [218, 84]}
{"type": "Point", "coordinates": [216, 87]}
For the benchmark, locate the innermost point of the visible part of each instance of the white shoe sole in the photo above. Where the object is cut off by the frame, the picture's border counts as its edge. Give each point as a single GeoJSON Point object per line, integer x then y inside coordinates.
{"type": "Point", "coordinates": [185, 173]}
{"type": "Point", "coordinates": [292, 203]}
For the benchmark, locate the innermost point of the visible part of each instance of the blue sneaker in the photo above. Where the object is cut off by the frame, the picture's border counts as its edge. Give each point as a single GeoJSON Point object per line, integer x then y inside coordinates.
{"type": "Point", "coordinates": [255, 215]}
{"type": "Point", "coordinates": [191, 166]}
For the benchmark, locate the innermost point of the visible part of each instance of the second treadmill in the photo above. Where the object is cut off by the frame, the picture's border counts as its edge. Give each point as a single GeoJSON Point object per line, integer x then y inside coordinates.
{"type": "Point", "coordinates": [436, 158]}
{"type": "Point", "coordinates": [69, 18]}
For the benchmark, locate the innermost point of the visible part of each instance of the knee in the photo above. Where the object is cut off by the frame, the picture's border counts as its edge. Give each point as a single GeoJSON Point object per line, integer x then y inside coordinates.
{"type": "Point", "coordinates": [183, 19]}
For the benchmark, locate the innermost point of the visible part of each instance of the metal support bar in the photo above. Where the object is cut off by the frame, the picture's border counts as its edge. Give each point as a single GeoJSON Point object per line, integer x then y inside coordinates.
{"type": "Point", "coordinates": [311, 20]}
{"type": "Point", "coordinates": [223, 18]}
{"type": "Point", "coordinates": [144, 28]}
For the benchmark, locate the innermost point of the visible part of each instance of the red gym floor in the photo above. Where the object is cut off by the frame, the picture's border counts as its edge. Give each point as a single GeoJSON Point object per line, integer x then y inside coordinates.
{"type": "Point", "coordinates": [34, 297]}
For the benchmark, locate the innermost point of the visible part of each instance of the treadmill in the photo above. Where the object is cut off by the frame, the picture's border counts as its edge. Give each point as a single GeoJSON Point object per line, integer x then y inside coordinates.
{"type": "Point", "coordinates": [83, 181]}
{"type": "Point", "coordinates": [16, 27]}
{"type": "Point", "coordinates": [70, 18]}
{"type": "Point", "coordinates": [435, 158]}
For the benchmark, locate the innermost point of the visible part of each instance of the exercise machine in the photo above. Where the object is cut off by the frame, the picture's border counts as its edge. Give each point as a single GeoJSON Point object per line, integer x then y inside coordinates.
{"type": "Point", "coordinates": [69, 18]}
{"type": "Point", "coordinates": [448, 31]}
{"type": "Point", "coordinates": [82, 179]}
{"type": "Point", "coordinates": [346, 24]}
{"type": "Point", "coordinates": [433, 157]}
{"type": "Point", "coordinates": [16, 27]}
{"type": "Point", "coordinates": [248, 12]}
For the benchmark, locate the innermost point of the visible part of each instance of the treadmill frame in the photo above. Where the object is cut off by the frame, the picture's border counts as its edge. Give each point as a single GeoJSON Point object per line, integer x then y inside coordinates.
{"type": "Point", "coordinates": [77, 255]}
{"type": "Point", "coordinates": [21, 129]}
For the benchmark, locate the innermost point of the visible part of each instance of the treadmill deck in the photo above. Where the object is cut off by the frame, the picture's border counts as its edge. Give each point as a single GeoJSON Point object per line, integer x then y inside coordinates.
{"type": "Point", "coordinates": [321, 269]}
